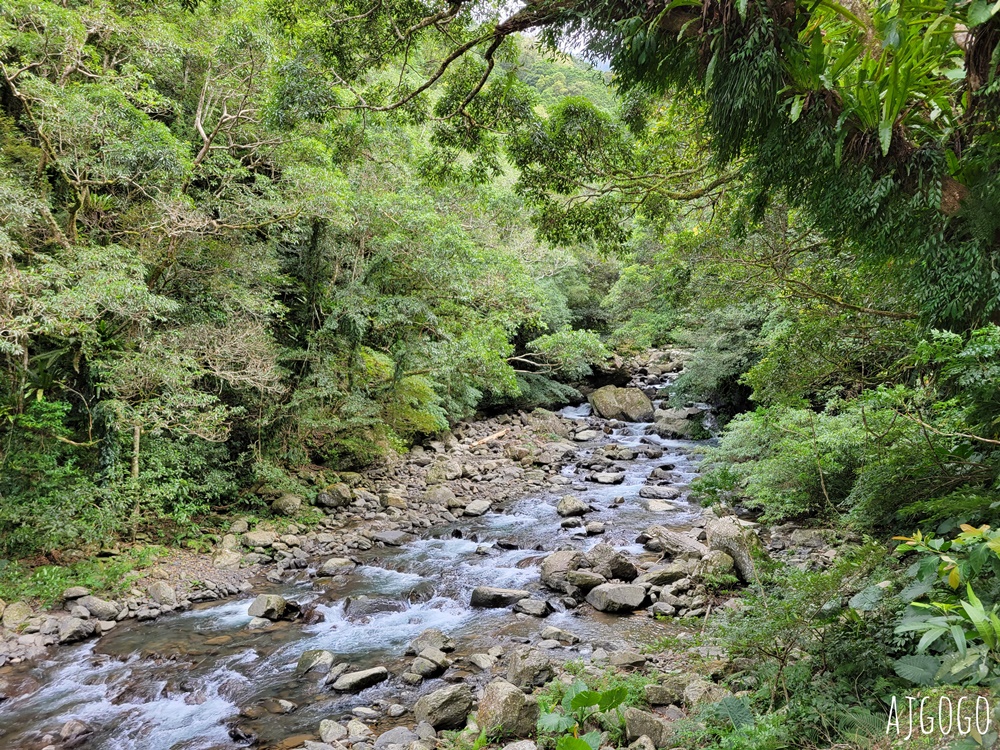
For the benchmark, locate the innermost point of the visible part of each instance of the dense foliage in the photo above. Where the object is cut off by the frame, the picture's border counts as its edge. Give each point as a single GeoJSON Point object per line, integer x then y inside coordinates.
{"type": "Point", "coordinates": [240, 239]}
{"type": "Point", "coordinates": [210, 278]}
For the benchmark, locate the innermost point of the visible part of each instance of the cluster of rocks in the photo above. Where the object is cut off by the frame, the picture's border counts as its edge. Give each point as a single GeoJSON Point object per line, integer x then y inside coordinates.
{"type": "Point", "coordinates": [505, 705]}
{"type": "Point", "coordinates": [27, 634]}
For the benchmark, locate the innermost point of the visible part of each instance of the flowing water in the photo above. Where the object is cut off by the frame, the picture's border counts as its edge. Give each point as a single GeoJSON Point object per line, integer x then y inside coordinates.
{"type": "Point", "coordinates": [180, 684]}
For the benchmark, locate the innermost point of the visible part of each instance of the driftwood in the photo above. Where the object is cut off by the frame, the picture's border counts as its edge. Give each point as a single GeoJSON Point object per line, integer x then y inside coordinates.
{"type": "Point", "coordinates": [490, 438]}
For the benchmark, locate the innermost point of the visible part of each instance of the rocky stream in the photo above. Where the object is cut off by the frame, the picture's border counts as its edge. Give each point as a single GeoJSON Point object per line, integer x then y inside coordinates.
{"type": "Point", "coordinates": [453, 582]}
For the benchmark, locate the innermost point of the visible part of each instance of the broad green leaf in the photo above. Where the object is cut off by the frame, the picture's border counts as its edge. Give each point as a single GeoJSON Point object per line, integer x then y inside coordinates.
{"type": "Point", "coordinates": [918, 669]}
{"type": "Point", "coordinates": [569, 742]}
{"type": "Point", "coordinates": [612, 698]}
{"type": "Point", "coordinates": [585, 699]}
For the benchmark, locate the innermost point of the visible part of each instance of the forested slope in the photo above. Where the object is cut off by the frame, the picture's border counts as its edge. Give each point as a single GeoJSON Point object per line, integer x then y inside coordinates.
{"type": "Point", "coordinates": [210, 279]}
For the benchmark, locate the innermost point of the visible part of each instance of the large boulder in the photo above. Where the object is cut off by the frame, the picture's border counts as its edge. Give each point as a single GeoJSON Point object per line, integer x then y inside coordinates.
{"type": "Point", "coordinates": [617, 597]}
{"type": "Point", "coordinates": [666, 574]}
{"type": "Point", "coordinates": [555, 567]}
{"type": "Point", "coordinates": [355, 682]}
{"type": "Point", "coordinates": [336, 566]}
{"type": "Point", "coordinates": [606, 561]}
{"type": "Point", "coordinates": [490, 597]}
{"type": "Point", "coordinates": [162, 593]}
{"type": "Point", "coordinates": [400, 736]}
{"type": "Point", "coordinates": [740, 542]}
{"type": "Point", "coordinates": [268, 606]}
{"type": "Point", "coordinates": [15, 614]}
{"type": "Point", "coordinates": [626, 404]}
{"type": "Point", "coordinates": [431, 638]}
{"type": "Point", "coordinates": [314, 660]}
{"type": "Point", "coordinates": [529, 668]}
{"type": "Point", "coordinates": [672, 543]}
{"type": "Point", "coordinates": [505, 711]}
{"type": "Point", "coordinates": [259, 538]}
{"type": "Point", "coordinates": [446, 708]}
{"type": "Point", "coordinates": [642, 723]}
{"type": "Point", "coordinates": [337, 496]}
{"type": "Point", "coordinates": [72, 629]}
{"type": "Point", "coordinates": [287, 505]}
{"type": "Point", "coordinates": [570, 505]}
{"type": "Point", "coordinates": [440, 495]}
{"type": "Point", "coordinates": [99, 608]}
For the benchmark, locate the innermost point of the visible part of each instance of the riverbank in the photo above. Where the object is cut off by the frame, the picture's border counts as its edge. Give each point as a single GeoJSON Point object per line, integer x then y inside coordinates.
{"type": "Point", "coordinates": [572, 533]}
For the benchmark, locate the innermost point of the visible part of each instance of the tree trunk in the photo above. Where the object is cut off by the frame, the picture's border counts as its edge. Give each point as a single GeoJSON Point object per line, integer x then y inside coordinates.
{"type": "Point", "coordinates": [136, 431]}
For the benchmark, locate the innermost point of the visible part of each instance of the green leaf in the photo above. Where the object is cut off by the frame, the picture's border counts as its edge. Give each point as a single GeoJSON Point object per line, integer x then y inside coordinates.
{"type": "Point", "coordinates": [593, 739]}
{"type": "Point", "coordinates": [554, 723]}
{"type": "Point", "coordinates": [867, 599]}
{"type": "Point", "coordinates": [612, 698]}
{"type": "Point", "coordinates": [734, 710]}
{"type": "Point", "coordinates": [919, 669]}
{"type": "Point", "coordinates": [569, 742]}
{"type": "Point", "coordinates": [980, 12]}
{"type": "Point", "coordinates": [797, 103]}
{"type": "Point", "coordinates": [885, 136]}
{"type": "Point", "coordinates": [585, 699]}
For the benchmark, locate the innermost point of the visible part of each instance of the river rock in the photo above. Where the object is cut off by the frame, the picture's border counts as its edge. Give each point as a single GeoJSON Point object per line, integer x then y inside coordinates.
{"type": "Point", "coordinates": [570, 505]}
{"type": "Point", "coordinates": [331, 731]}
{"type": "Point", "coordinates": [529, 668]}
{"type": "Point", "coordinates": [678, 429]}
{"type": "Point", "coordinates": [739, 542]}
{"type": "Point", "coordinates": [505, 711]}
{"type": "Point", "coordinates": [584, 435]}
{"type": "Point", "coordinates": [668, 691]}
{"type": "Point", "coordinates": [446, 708]}
{"type": "Point", "coordinates": [665, 574]}
{"type": "Point", "coordinates": [490, 597]}
{"type": "Point", "coordinates": [642, 723]}
{"type": "Point", "coordinates": [73, 629]}
{"type": "Point", "coordinates": [555, 567]}
{"type": "Point", "coordinates": [533, 607]}
{"type": "Point", "coordinates": [399, 736]}
{"type": "Point", "coordinates": [162, 593]}
{"type": "Point", "coordinates": [336, 566]}
{"type": "Point", "coordinates": [287, 505]}
{"type": "Point", "coordinates": [361, 607]}
{"type": "Point", "coordinates": [259, 538]}
{"type": "Point", "coordinates": [715, 563]}
{"type": "Point", "coordinates": [15, 614]}
{"type": "Point", "coordinates": [609, 477]}
{"type": "Point", "coordinates": [700, 692]}
{"type": "Point", "coordinates": [75, 592]}
{"type": "Point", "coordinates": [268, 606]}
{"type": "Point", "coordinates": [227, 559]}
{"type": "Point", "coordinates": [73, 729]}
{"type": "Point", "coordinates": [392, 538]}
{"type": "Point", "coordinates": [99, 608]}
{"type": "Point", "coordinates": [616, 597]}
{"type": "Point", "coordinates": [337, 496]}
{"type": "Point", "coordinates": [477, 507]}
{"type": "Point", "coordinates": [563, 636]}
{"type": "Point", "coordinates": [659, 492]}
{"type": "Point", "coordinates": [606, 561]}
{"type": "Point", "coordinates": [355, 682]}
{"type": "Point", "coordinates": [440, 495]}
{"type": "Point", "coordinates": [626, 404]}
{"type": "Point", "coordinates": [314, 660]}
{"type": "Point", "coordinates": [662, 539]}
{"type": "Point", "coordinates": [431, 638]}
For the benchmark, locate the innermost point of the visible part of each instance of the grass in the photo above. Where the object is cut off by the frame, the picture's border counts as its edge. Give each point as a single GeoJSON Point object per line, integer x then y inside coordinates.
{"type": "Point", "coordinates": [44, 584]}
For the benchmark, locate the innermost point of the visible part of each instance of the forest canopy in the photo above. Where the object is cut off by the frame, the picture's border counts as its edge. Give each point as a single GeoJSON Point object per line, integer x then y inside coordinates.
{"type": "Point", "coordinates": [244, 237]}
